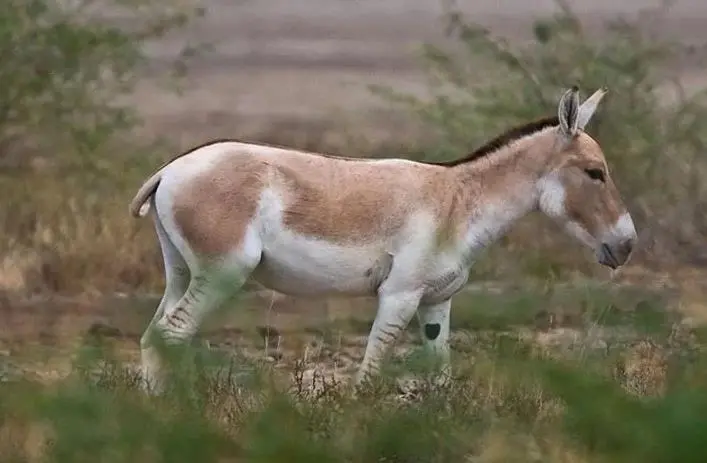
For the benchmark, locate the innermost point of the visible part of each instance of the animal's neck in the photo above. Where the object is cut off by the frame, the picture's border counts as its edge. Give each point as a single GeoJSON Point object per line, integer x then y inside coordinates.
{"type": "Point", "coordinates": [501, 189]}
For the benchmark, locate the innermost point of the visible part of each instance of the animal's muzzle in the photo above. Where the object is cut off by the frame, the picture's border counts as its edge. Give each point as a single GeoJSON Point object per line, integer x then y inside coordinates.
{"type": "Point", "coordinates": [616, 255]}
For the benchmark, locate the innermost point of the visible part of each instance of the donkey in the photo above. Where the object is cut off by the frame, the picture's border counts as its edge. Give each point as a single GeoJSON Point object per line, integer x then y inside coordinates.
{"type": "Point", "coordinates": [309, 224]}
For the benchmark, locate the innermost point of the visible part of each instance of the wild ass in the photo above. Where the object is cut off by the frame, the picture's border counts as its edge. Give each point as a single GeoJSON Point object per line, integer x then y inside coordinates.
{"type": "Point", "coordinates": [309, 224]}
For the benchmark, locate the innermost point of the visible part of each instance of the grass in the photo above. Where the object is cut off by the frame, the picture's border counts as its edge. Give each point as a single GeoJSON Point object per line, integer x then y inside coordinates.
{"type": "Point", "coordinates": [519, 394]}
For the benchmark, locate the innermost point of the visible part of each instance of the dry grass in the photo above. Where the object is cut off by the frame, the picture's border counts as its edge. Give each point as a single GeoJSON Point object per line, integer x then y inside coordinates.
{"type": "Point", "coordinates": [61, 240]}
{"type": "Point", "coordinates": [500, 406]}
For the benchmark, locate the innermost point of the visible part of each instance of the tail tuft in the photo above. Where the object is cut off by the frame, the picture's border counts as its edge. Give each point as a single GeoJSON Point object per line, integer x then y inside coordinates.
{"type": "Point", "coordinates": [139, 206]}
{"type": "Point", "coordinates": [144, 209]}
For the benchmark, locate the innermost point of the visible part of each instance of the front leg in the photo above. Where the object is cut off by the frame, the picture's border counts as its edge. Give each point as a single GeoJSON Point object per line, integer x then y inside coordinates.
{"type": "Point", "coordinates": [395, 310]}
{"type": "Point", "coordinates": [434, 324]}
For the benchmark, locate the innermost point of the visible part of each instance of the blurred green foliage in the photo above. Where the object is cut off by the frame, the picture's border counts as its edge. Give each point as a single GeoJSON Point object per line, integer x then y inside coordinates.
{"type": "Point", "coordinates": [66, 66]}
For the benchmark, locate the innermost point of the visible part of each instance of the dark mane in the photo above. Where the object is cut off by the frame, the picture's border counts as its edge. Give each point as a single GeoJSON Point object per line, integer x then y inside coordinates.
{"type": "Point", "coordinates": [502, 140]}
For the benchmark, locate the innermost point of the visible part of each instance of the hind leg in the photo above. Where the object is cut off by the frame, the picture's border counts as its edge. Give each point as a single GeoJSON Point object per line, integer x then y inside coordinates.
{"type": "Point", "coordinates": [177, 277]}
{"type": "Point", "coordinates": [211, 285]}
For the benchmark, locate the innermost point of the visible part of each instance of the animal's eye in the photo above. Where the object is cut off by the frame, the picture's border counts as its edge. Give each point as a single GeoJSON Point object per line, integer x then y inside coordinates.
{"type": "Point", "coordinates": [595, 174]}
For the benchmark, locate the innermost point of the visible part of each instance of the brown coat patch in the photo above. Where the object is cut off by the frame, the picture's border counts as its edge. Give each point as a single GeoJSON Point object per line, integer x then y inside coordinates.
{"type": "Point", "coordinates": [213, 211]}
{"type": "Point", "coordinates": [357, 202]}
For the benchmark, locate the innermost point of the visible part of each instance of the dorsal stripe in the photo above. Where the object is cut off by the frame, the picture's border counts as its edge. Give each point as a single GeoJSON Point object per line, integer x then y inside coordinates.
{"type": "Point", "coordinates": [501, 141]}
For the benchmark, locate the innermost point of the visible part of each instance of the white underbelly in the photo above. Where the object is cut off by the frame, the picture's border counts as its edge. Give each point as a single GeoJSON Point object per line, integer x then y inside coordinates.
{"type": "Point", "coordinates": [304, 267]}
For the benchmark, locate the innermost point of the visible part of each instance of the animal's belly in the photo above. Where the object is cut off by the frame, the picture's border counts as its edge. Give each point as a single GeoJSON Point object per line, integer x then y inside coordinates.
{"type": "Point", "coordinates": [302, 268]}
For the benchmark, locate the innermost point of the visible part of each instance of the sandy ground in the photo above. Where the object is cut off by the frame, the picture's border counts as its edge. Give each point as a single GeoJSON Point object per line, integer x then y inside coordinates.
{"type": "Point", "coordinates": [276, 61]}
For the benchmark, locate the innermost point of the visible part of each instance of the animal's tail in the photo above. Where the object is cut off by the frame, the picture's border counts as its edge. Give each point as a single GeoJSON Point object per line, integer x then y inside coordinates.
{"type": "Point", "coordinates": [140, 206]}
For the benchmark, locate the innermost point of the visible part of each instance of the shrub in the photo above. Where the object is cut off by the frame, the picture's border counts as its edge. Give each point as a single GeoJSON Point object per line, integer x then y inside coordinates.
{"type": "Point", "coordinates": [65, 65]}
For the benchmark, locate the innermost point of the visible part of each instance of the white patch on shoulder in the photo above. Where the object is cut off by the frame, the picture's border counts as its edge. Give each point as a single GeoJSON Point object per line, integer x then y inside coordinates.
{"type": "Point", "coordinates": [484, 228]}
{"type": "Point", "coordinates": [493, 220]}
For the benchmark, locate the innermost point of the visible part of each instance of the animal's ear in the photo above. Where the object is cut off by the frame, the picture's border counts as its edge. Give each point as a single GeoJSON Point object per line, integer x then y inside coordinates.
{"type": "Point", "coordinates": [567, 111]}
{"type": "Point", "coordinates": [587, 109]}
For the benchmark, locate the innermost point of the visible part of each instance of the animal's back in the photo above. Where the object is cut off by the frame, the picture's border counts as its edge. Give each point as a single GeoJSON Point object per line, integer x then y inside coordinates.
{"type": "Point", "coordinates": [341, 200]}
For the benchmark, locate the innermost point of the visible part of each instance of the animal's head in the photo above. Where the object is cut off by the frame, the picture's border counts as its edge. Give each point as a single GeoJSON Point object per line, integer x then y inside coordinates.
{"type": "Point", "coordinates": [577, 189]}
